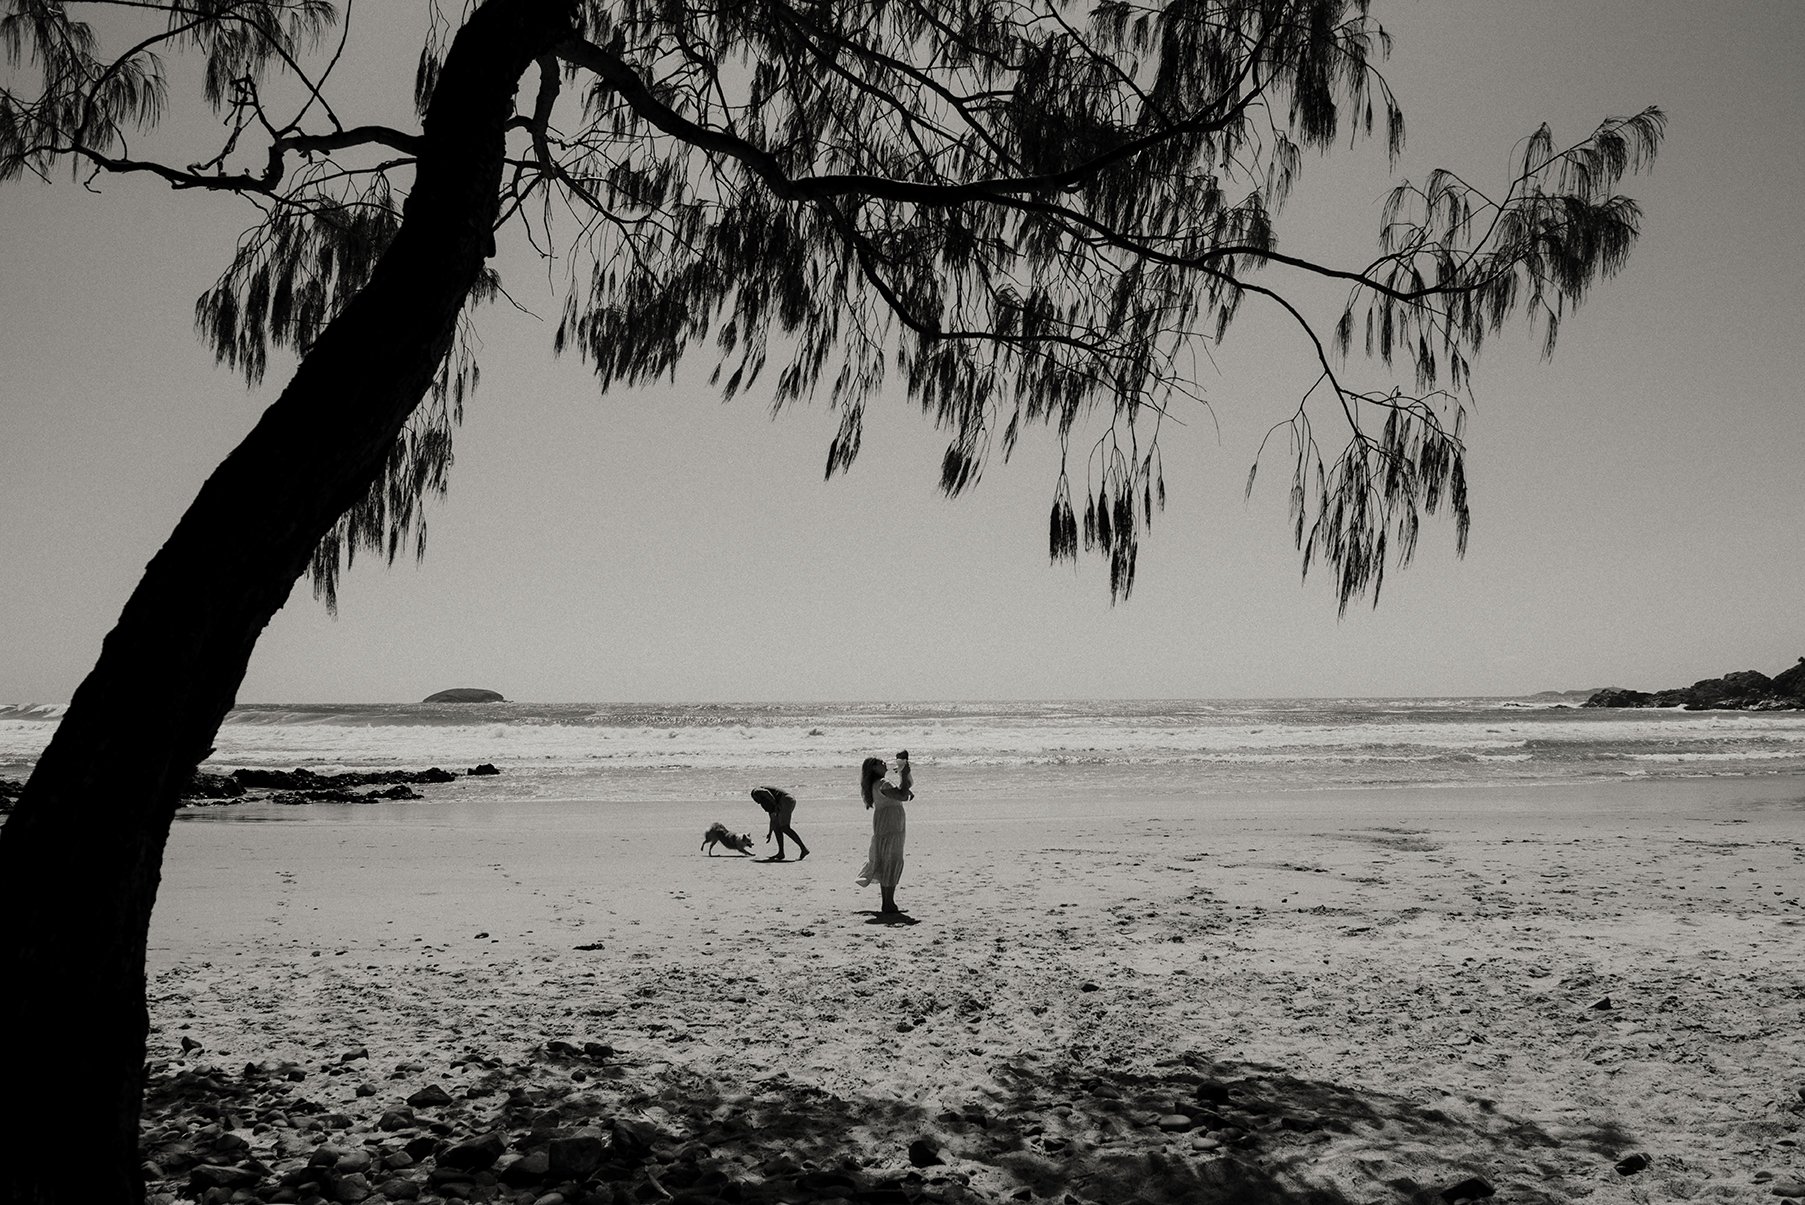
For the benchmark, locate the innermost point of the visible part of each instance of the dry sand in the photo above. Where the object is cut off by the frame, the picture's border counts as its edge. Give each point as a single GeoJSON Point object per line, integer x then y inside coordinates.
{"type": "Point", "coordinates": [1352, 996]}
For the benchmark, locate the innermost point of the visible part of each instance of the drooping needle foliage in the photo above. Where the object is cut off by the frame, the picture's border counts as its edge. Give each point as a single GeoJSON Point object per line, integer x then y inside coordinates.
{"type": "Point", "coordinates": [1019, 213]}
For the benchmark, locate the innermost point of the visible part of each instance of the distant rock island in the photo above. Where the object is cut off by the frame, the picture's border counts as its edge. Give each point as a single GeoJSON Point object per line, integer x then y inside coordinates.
{"type": "Point", "coordinates": [465, 694]}
{"type": "Point", "coordinates": [1742, 690]}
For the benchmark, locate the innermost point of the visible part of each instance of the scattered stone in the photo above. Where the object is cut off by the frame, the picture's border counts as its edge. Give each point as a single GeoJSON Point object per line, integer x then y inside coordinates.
{"type": "Point", "coordinates": [431, 1096]}
{"type": "Point", "coordinates": [474, 1154]}
{"type": "Point", "coordinates": [212, 1175]}
{"type": "Point", "coordinates": [632, 1140]}
{"type": "Point", "coordinates": [826, 1182]}
{"type": "Point", "coordinates": [1211, 1092]}
{"type": "Point", "coordinates": [1175, 1123]}
{"type": "Point", "coordinates": [1603, 1004]}
{"type": "Point", "coordinates": [442, 1175]}
{"type": "Point", "coordinates": [1786, 1186]}
{"type": "Point", "coordinates": [421, 1147]}
{"type": "Point", "coordinates": [483, 770]}
{"type": "Point", "coordinates": [1089, 987]}
{"type": "Point", "coordinates": [519, 1170]}
{"type": "Point", "coordinates": [576, 1156]}
{"type": "Point", "coordinates": [351, 1189]}
{"type": "Point", "coordinates": [924, 1152]}
{"type": "Point", "coordinates": [1629, 1165]}
{"type": "Point", "coordinates": [1473, 1188]}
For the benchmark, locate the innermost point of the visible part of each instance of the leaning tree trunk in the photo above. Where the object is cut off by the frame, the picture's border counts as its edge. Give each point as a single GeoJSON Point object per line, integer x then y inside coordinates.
{"type": "Point", "coordinates": [80, 859]}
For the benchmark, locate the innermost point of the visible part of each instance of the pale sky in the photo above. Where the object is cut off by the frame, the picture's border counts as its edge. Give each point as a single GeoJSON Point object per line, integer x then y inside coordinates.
{"type": "Point", "coordinates": [1637, 502]}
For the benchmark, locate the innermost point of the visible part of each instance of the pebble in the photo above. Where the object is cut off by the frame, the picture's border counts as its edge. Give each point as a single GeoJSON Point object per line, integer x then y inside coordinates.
{"type": "Point", "coordinates": [474, 1154]}
{"type": "Point", "coordinates": [351, 1189]}
{"type": "Point", "coordinates": [1472, 1188]}
{"type": "Point", "coordinates": [1175, 1123]}
{"type": "Point", "coordinates": [924, 1152]}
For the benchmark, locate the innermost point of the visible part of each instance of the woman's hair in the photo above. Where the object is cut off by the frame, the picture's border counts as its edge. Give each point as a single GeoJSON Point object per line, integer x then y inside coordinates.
{"type": "Point", "coordinates": [869, 773]}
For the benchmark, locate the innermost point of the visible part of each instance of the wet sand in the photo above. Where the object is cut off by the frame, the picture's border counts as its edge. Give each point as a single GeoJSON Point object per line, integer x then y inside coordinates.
{"type": "Point", "coordinates": [1384, 995]}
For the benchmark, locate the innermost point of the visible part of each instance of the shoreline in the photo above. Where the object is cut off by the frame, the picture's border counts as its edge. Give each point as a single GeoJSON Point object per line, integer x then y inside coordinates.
{"type": "Point", "coordinates": [1362, 995]}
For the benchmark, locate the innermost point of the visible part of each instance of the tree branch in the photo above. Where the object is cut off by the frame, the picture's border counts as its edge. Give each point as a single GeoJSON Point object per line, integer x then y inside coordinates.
{"type": "Point", "coordinates": [307, 144]}
{"type": "Point", "coordinates": [612, 70]}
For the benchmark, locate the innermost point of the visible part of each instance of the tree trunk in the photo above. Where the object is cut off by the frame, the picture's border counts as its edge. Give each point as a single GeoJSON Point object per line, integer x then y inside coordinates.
{"type": "Point", "coordinates": [81, 857]}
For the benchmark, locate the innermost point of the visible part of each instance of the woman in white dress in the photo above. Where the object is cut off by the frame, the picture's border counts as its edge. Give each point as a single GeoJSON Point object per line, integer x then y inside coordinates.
{"type": "Point", "coordinates": [889, 823]}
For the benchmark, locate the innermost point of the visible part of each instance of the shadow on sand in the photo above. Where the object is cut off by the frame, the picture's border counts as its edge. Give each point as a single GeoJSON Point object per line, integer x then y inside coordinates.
{"type": "Point", "coordinates": [873, 917]}
{"type": "Point", "coordinates": [1196, 1133]}
{"type": "Point", "coordinates": [576, 1122]}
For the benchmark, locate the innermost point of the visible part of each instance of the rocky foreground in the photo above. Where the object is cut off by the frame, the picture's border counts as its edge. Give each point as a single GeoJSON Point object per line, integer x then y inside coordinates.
{"type": "Point", "coordinates": [569, 1128]}
{"type": "Point", "coordinates": [1742, 690]}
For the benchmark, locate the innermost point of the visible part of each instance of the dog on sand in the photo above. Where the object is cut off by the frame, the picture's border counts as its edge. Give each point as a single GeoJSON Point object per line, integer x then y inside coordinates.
{"type": "Point", "coordinates": [718, 834]}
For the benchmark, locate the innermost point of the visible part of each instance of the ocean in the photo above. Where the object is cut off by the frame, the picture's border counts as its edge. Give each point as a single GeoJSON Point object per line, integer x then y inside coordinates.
{"type": "Point", "coordinates": [1014, 751]}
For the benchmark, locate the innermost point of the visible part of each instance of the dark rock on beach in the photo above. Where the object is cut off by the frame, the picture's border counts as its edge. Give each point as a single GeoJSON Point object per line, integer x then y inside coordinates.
{"type": "Point", "coordinates": [1739, 690]}
{"type": "Point", "coordinates": [307, 780]}
{"type": "Point", "coordinates": [465, 694]}
{"type": "Point", "coordinates": [307, 786]}
{"type": "Point", "coordinates": [213, 786]}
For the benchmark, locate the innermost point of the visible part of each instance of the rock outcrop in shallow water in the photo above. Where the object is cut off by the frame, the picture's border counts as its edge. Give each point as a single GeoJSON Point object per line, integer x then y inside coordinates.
{"type": "Point", "coordinates": [306, 786]}
{"type": "Point", "coordinates": [1740, 690]}
{"type": "Point", "coordinates": [293, 786]}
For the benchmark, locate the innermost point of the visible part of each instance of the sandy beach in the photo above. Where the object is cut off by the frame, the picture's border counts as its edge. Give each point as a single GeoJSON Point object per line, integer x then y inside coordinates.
{"type": "Point", "coordinates": [1547, 994]}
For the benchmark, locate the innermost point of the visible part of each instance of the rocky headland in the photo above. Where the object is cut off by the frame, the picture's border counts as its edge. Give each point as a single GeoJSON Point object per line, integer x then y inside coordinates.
{"type": "Point", "coordinates": [1741, 690]}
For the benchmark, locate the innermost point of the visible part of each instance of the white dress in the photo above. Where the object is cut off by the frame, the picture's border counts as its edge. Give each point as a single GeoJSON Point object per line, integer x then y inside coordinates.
{"type": "Point", "coordinates": [889, 823]}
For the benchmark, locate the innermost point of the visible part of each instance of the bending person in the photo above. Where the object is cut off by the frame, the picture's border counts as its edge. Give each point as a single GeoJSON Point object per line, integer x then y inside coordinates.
{"type": "Point", "coordinates": [889, 824]}
{"type": "Point", "coordinates": [780, 806]}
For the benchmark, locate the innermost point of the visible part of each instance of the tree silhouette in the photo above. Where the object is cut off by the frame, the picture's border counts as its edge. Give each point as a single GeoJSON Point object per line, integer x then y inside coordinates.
{"type": "Point", "coordinates": [1018, 214]}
